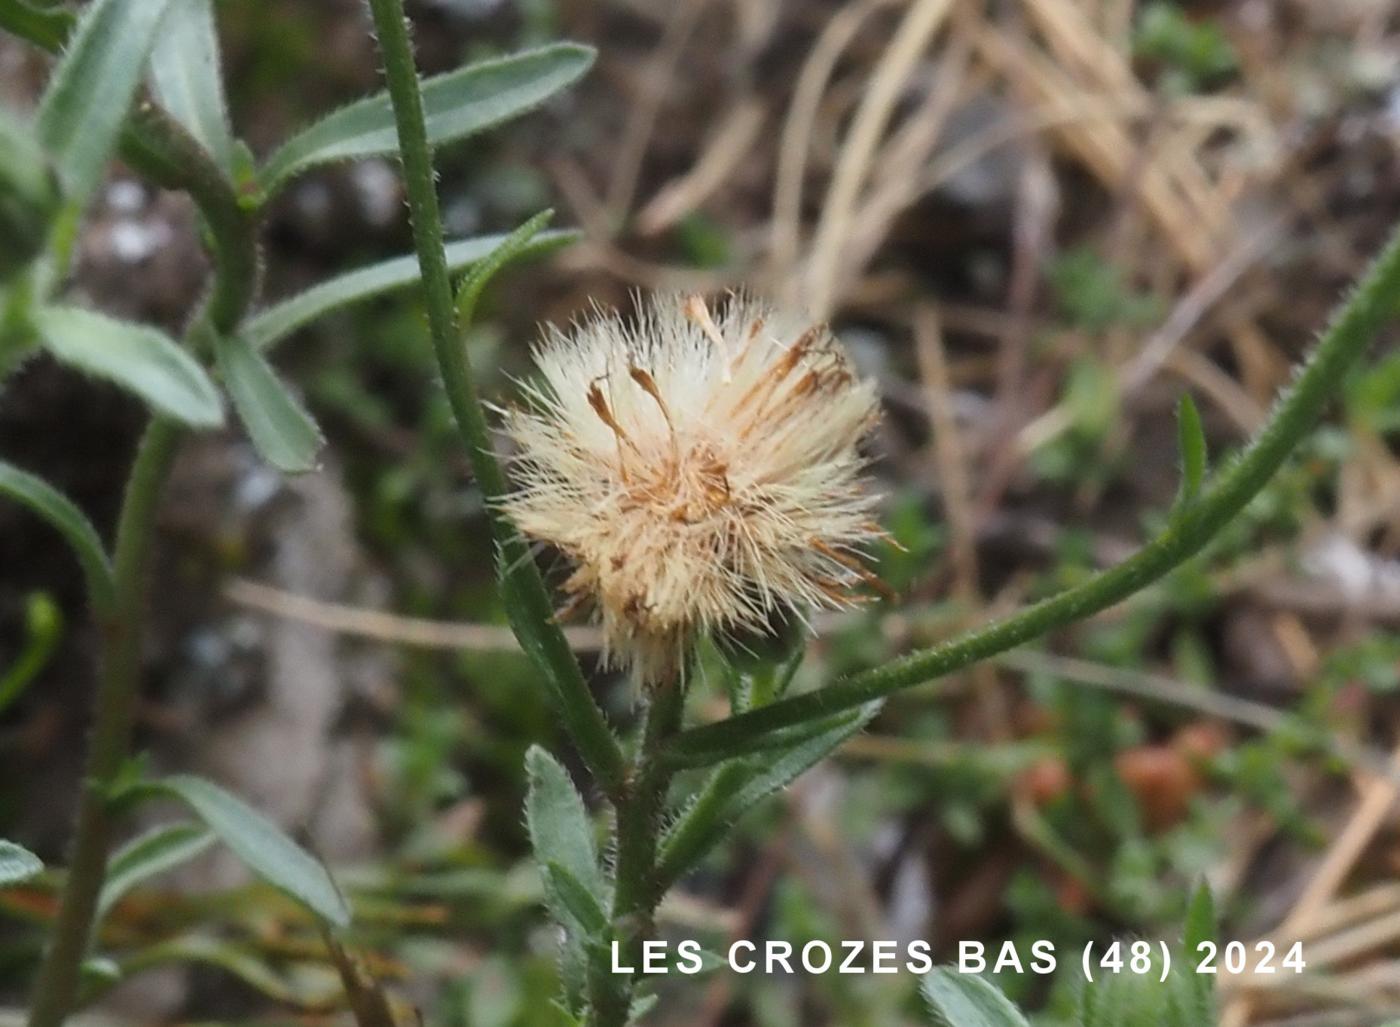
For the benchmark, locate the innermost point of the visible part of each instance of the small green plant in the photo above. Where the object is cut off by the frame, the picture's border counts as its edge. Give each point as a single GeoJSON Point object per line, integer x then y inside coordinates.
{"type": "Point", "coordinates": [1132, 985]}
{"type": "Point", "coordinates": [674, 789]}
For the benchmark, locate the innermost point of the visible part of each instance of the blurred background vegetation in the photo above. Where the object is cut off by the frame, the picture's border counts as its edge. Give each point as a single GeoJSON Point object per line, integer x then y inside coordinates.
{"type": "Point", "coordinates": [1037, 223]}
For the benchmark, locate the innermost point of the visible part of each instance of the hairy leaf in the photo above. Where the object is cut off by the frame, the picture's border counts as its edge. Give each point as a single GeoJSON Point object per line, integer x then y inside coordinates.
{"type": "Point", "coordinates": [137, 357]}
{"type": "Point", "coordinates": [17, 863]}
{"type": "Point", "coordinates": [457, 104]}
{"type": "Point", "coordinates": [737, 786]}
{"type": "Point", "coordinates": [76, 529]}
{"type": "Point", "coordinates": [92, 87]}
{"type": "Point", "coordinates": [966, 1000]}
{"type": "Point", "coordinates": [148, 855]}
{"type": "Point", "coordinates": [280, 428]}
{"type": "Point", "coordinates": [278, 321]}
{"type": "Point", "coordinates": [187, 77]}
{"type": "Point", "coordinates": [484, 270]}
{"type": "Point", "coordinates": [260, 844]}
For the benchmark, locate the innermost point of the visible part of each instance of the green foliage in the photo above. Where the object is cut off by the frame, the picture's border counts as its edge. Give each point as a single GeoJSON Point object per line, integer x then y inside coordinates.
{"type": "Point", "coordinates": [93, 85]}
{"type": "Point", "coordinates": [29, 198]}
{"type": "Point", "coordinates": [149, 855]}
{"type": "Point", "coordinates": [1192, 440]}
{"type": "Point", "coordinates": [43, 624]}
{"type": "Point", "coordinates": [137, 357]}
{"type": "Point", "coordinates": [259, 843]}
{"type": "Point", "coordinates": [1092, 294]}
{"type": "Point", "coordinates": [17, 864]}
{"type": "Point", "coordinates": [280, 428]}
{"type": "Point", "coordinates": [457, 105]}
{"type": "Point", "coordinates": [269, 326]}
{"type": "Point", "coordinates": [185, 77]}
{"type": "Point", "coordinates": [1197, 52]}
{"type": "Point", "coordinates": [47, 27]}
{"type": "Point", "coordinates": [736, 786]}
{"type": "Point", "coordinates": [966, 1000]}
{"type": "Point", "coordinates": [562, 838]}
{"type": "Point", "coordinates": [56, 508]}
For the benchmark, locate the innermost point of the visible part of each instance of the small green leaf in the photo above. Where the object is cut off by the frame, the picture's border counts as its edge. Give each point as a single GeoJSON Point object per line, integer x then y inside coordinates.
{"type": "Point", "coordinates": [278, 321]}
{"type": "Point", "coordinates": [17, 864]}
{"type": "Point", "coordinates": [1200, 919]}
{"type": "Point", "coordinates": [186, 76]}
{"type": "Point", "coordinates": [260, 844]}
{"type": "Point", "coordinates": [558, 822]}
{"type": "Point", "coordinates": [304, 990]}
{"type": "Point", "coordinates": [92, 87]}
{"type": "Point", "coordinates": [46, 28]}
{"type": "Point", "coordinates": [136, 357]}
{"type": "Point", "coordinates": [738, 785]}
{"type": "Point", "coordinates": [56, 508]}
{"type": "Point", "coordinates": [457, 105]}
{"type": "Point", "coordinates": [1193, 449]}
{"type": "Point", "coordinates": [966, 1000]}
{"type": "Point", "coordinates": [580, 903]}
{"type": "Point", "coordinates": [43, 622]}
{"type": "Point", "coordinates": [280, 428]}
{"type": "Point", "coordinates": [484, 270]}
{"type": "Point", "coordinates": [1200, 927]}
{"type": "Point", "coordinates": [562, 836]}
{"type": "Point", "coordinates": [146, 856]}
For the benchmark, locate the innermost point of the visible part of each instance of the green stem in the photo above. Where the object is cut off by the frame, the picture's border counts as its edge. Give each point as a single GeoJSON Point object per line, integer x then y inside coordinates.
{"type": "Point", "coordinates": [57, 983]}
{"type": "Point", "coordinates": [581, 715]}
{"type": "Point", "coordinates": [157, 146]}
{"type": "Point", "coordinates": [1355, 325]}
{"type": "Point", "coordinates": [637, 890]}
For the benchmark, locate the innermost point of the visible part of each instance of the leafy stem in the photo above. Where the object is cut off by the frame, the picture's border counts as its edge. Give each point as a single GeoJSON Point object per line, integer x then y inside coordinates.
{"type": "Point", "coordinates": [57, 983]}
{"type": "Point", "coordinates": [521, 581]}
{"type": "Point", "coordinates": [1375, 301]}
{"type": "Point", "coordinates": [158, 146]}
{"type": "Point", "coordinates": [637, 885]}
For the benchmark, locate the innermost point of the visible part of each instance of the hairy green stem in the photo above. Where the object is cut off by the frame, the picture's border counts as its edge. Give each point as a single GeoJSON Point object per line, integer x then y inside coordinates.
{"type": "Point", "coordinates": [56, 986]}
{"type": "Point", "coordinates": [1356, 324]}
{"type": "Point", "coordinates": [637, 889]}
{"type": "Point", "coordinates": [156, 145]}
{"type": "Point", "coordinates": [580, 712]}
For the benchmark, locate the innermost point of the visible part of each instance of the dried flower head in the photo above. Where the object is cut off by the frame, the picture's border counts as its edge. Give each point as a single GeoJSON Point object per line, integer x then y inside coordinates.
{"type": "Point", "coordinates": [701, 473]}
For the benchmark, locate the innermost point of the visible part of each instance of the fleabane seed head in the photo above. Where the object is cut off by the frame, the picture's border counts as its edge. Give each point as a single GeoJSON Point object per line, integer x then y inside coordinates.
{"type": "Point", "coordinates": [701, 473]}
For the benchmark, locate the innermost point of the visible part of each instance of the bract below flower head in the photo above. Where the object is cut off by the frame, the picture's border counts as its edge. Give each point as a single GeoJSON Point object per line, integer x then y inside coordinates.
{"type": "Point", "coordinates": [701, 473]}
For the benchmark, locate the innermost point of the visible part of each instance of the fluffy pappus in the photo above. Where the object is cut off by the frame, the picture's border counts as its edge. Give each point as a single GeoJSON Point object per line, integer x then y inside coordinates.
{"type": "Point", "coordinates": [702, 474]}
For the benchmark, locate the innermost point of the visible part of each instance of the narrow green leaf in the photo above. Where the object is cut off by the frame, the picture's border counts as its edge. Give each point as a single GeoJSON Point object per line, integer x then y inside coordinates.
{"type": "Point", "coordinates": [457, 104]}
{"type": "Point", "coordinates": [1200, 919]}
{"type": "Point", "coordinates": [1201, 926]}
{"type": "Point", "coordinates": [92, 87]}
{"type": "Point", "coordinates": [187, 77]}
{"type": "Point", "coordinates": [694, 757]}
{"type": "Point", "coordinates": [580, 903]}
{"type": "Point", "coordinates": [260, 844]}
{"type": "Point", "coordinates": [43, 622]}
{"type": "Point", "coordinates": [146, 856]}
{"type": "Point", "coordinates": [558, 822]}
{"type": "Point", "coordinates": [17, 864]}
{"type": "Point", "coordinates": [735, 787]}
{"type": "Point", "coordinates": [282, 319]}
{"type": "Point", "coordinates": [561, 835]}
{"type": "Point", "coordinates": [1193, 449]}
{"type": "Point", "coordinates": [47, 28]}
{"type": "Point", "coordinates": [280, 428]}
{"type": "Point", "coordinates": [137, 357]}
{"type": "Point", "coordinates": [966, 1000]}
{"type": "Point", "coordinates": [484, 270]}
{"type": "Point", "coordinates": [76, 529]}
{"type": "Point", "coordinates": [304, 990]}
